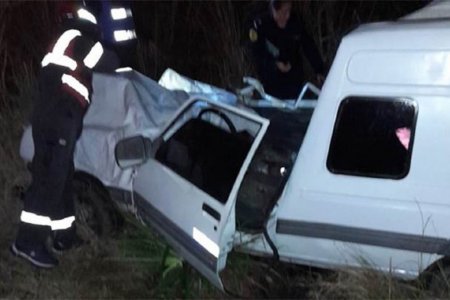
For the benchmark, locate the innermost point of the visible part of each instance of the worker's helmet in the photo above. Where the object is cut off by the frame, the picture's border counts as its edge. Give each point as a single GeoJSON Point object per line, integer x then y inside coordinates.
{"type": "Point", "coordinates": [74, 10]}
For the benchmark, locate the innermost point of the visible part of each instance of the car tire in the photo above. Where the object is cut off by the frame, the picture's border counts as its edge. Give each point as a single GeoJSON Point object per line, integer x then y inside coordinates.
{"type": "Point", "coordinates": [96, 216]}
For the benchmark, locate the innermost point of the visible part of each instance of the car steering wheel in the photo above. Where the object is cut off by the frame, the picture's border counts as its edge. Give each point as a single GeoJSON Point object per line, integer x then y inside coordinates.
{"type": "Point", "coordinates": [221, 115]}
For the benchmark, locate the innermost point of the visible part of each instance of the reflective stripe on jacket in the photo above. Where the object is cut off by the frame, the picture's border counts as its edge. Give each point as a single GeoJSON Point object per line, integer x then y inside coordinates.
{"type": "Point", "coordinates": [116, 22]}
{"type": "Point", "coordinates": [63, 54]}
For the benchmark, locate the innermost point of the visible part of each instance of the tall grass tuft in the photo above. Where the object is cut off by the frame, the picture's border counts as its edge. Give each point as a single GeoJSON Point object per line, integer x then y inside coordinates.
{"type": "Point", "coordinates": [364, 284]}
{"type": "Point", "coordinates": [202, 40]}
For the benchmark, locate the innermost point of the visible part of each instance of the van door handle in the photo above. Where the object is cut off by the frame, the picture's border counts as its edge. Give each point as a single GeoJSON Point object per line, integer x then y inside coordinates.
{"type": "Point", "coordinates": [211, 212]}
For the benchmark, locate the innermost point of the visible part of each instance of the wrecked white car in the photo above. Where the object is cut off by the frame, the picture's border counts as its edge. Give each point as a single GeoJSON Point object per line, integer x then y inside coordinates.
{"type": "Point", "coordinates": [360, 179]}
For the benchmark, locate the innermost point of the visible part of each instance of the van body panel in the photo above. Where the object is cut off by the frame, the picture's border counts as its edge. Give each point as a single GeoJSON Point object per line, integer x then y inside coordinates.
{"type": "Point", "coordinates": [400, 225]}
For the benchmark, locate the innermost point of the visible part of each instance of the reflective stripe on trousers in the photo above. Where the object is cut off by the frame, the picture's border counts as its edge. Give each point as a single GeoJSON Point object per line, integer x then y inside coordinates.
{"type": "Point", "coordinates": [34, 219]}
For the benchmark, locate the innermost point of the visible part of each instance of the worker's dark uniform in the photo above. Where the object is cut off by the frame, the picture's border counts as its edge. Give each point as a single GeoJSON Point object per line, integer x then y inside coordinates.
{"type": "Point", "coordinates": [65, 88]}
{"type": "Point", "coordinates": [270, 44]}
{"type": "Point", "coordinates": [115, 20]}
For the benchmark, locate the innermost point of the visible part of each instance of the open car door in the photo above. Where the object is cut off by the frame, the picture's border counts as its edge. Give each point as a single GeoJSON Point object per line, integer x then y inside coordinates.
{"type": "Point", "coordinates": [187, 189]}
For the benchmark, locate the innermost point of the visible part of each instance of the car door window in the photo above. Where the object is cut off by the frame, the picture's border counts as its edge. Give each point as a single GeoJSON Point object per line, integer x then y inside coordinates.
{"type": "Point", "coordinates": [206, 154]}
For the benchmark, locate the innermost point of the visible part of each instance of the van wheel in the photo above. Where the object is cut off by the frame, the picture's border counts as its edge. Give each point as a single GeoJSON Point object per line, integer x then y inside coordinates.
{"type": "Point", "coordinates": [439, 282]}
{"type": "Point", "coordinates": [96, 216]}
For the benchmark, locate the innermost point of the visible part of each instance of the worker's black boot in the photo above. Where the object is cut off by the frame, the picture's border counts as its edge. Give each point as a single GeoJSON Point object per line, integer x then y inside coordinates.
{"type": "Point", "coordinates": [30, 245]}
{"type": "Point", "coordinates": [37, 255]}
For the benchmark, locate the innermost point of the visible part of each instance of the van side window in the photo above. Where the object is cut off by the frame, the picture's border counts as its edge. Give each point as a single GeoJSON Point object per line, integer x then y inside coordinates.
{"type": "Point", "coordinates": [373, 137]}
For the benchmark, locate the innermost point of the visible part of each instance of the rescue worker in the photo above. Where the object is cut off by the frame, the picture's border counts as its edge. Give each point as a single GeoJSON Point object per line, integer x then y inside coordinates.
{"type": "Point", "coordinates": [276, 39]}
{"type": "Point", "coordinates": [65, 89]}
{"type": "Point", "coordinates": [115, 20]}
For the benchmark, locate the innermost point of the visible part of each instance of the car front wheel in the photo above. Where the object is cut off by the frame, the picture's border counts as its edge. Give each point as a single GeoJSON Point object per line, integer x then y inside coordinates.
{"type": "Point", "coordinates": [95, 213]}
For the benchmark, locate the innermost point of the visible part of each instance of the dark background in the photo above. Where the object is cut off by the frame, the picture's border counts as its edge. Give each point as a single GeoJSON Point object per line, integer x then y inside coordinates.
{"type": "Point", "coordinates": [205, 40]}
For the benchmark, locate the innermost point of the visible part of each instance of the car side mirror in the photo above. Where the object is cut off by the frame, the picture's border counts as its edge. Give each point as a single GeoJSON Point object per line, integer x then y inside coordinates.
{"type": "Point", "coordinates": [132, 151]}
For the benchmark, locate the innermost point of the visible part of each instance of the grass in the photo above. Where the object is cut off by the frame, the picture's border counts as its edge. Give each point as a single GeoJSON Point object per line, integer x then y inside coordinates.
{"type": "Point", "coordinates": [168, 276]}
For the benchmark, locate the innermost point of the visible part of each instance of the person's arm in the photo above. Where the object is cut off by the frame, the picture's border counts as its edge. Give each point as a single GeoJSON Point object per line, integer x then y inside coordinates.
{"type": "Point", "coordinates": [108, 62]}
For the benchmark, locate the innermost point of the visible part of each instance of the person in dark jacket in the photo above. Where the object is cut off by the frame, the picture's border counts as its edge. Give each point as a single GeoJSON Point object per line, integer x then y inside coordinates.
{"type": "Point", "coordinates": [276, 39]}
{"type": "Point", "coordinates": [65, 89]}
{"type": "Point", "coordinates": [115, 19]}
